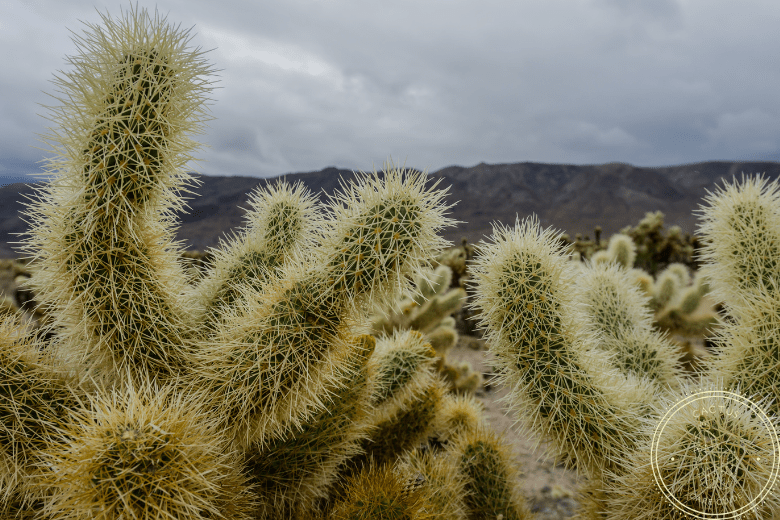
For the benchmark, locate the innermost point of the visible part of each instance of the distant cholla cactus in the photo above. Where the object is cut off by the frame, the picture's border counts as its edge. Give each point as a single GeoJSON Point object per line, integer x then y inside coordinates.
{"type": "Point", "coordinates": [621, 249]}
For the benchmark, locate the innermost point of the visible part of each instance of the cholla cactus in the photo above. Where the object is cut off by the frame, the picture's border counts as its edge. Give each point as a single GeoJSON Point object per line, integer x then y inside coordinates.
{"type": "Point", "coordinates": [617, 312]}
{"type": "Point", "coordinates": [491, 475]}
{"type": "Point", "coordinates": [676, 460]}
{"type": "Point", "coordinates": [380, 492]}
{"type": "Point", "coordinates": [535, 331]}
{"type": "Point", "coordinates": [180, 391]}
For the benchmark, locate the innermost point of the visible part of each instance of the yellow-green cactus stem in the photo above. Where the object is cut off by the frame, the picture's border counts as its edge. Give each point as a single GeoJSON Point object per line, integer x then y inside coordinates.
{"type": "Point", "coordinates": [442, 339]}
{"type": "Point", "coordinates": [282, 217]}
{"type": "Point", "coordinates": [145, 453]}
{"type": "Point", "coordinates": [268, 364]}
{"type": "Point", "coordinates": [681, 272]}
{"type": "Point", "coordinates": [458, 414]}
{"type": "Point", "coordinates": [617, 312]}
{"type": "Point", "coordinates": [442, 486]}
{"type": "Point", "coordinates": [683, 317]}
{"type": "Point", "coordinates": [691, 297]}
{"type": "Point", "coordinates": [741, 241]}
{"type": "Point", "coordinates": [491, 476]}
{"type": "Point", "coordinates": [406, 399]}
{"type": "Point", "coordinates": [102, 229]}
{"type": "Point", "coordinates": [643, 280]}
{"type": "Point", "coordinates": [431, 283]}
{"type": "Point", "coordinates": [536, 331]}
{"type": "Point", "coordinates": [379, 492]}
{"type": "Point", "coordinates": [665, 289]}
{"type": "Point", "coordinates": [404, 368]}
{"type": "Point", "coordinates": [469, 380]}
{"type": "Point", "coordinates": [433, 311]}
{"type": "Point", "coordinates": [601, 257]}
{"type": "Point", "coordinates": [714, 458]}
{"type": "Point", "coordinates": [34, 399]}
{"type": "Point", "coordinates": [742, 231]}
{"type": "Point", "coordinates": [382, 230]}
{"type": "Point", "coordinates": [291, 475]}
{"type": "Point", "coordinates": [407, 426]}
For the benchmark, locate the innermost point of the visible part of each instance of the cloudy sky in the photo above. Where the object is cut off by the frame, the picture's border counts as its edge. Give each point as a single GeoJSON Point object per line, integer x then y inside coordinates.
{"type": "Point", "coordinates": [307, 84]}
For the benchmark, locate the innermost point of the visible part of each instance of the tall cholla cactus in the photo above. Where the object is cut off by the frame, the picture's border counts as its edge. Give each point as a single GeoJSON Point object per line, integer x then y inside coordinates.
{"type": "Point", "coordinates": [697, 450]}
{"type": "Point", "coordinates": [187, 382]}
{"type": "Point", "coordinates": [107, 261]}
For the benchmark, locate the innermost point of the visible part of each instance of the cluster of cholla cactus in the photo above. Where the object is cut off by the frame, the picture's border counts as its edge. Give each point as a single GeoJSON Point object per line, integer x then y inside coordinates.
{"type": "Point", "coordinates": [253, 391]}
{"type": "Point", "coordinates": [591, 377]}
{"type": "Point", "coordinates": [676, 297]}
{"type": "Point", "coordinates": [654, 249]}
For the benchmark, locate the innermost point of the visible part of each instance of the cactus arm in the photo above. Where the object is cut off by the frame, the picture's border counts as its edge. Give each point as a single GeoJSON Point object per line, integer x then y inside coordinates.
{"type": "Point", "coordinates": [282, 218]}
{"type": "Point", "coordinates": [524, 291]}
{"type": "Point", "coordinates": [270, 364]}
{"type": "Point", "coordinates": [295, 472]}
{"type": "Point", "coordinates": [616, 310]}
{"type": "Point", "coordinates": [102, 232]}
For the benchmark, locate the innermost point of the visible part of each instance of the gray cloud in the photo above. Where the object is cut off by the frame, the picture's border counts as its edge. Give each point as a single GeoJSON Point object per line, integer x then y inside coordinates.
{"type": "Point", "coordinates": [313, 83]}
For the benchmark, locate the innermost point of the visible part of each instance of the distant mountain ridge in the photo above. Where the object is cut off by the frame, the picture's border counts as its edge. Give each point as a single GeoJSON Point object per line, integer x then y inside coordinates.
{"type": "Point", "coordinates": [570, 198]}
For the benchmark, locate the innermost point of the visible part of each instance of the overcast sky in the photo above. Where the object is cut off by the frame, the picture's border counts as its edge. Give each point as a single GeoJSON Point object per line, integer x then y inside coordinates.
{"type": "Point", "coordinates": [308, 84]}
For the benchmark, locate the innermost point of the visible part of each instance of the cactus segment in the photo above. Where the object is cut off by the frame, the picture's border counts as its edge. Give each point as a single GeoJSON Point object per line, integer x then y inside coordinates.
{"type": "Point", "coordinates": [442, 486]}
{"type": "Point", "coordinates": [622, 250]}
{"type": "Point", "coordinates": [383, 228]}
{"type": "Point", "coordinates": [102, 230]}
{"type": "Point", "coordinates": [34, 400]}
{"type": "Point", "coordinates": [708, 457]}
{"type": "Point", "coordinates": [282, 218]}
{"type": "Point", "coordinates": [742, 230]}
{"type": "Point", "coordinates": [491, 476]}
{"type": "Point", "coordinates": [406, 426]}
{"type": "Point", "coordinates": [268, 367]}
{"type": "Point", "coordinates": [379, 492]}
{"type": "Point", "coordinates": [404, 367]}
{"type": "Point", "coordinates": [459, 413]}
{"type": "Point", "coordinates": [294, 473]}
{"type": "Point", "coordinates": [438, 283]}
{"type": "Point", "coordinates": [146, 453]}
{"type": "Point", "coordinates": [617, 312]}
{"type": "Point", "coordinates": [536, 332]}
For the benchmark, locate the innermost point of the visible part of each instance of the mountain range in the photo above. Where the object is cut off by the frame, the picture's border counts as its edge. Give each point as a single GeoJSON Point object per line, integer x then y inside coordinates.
{"type": "Point", "coordinates": [570, 198]}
